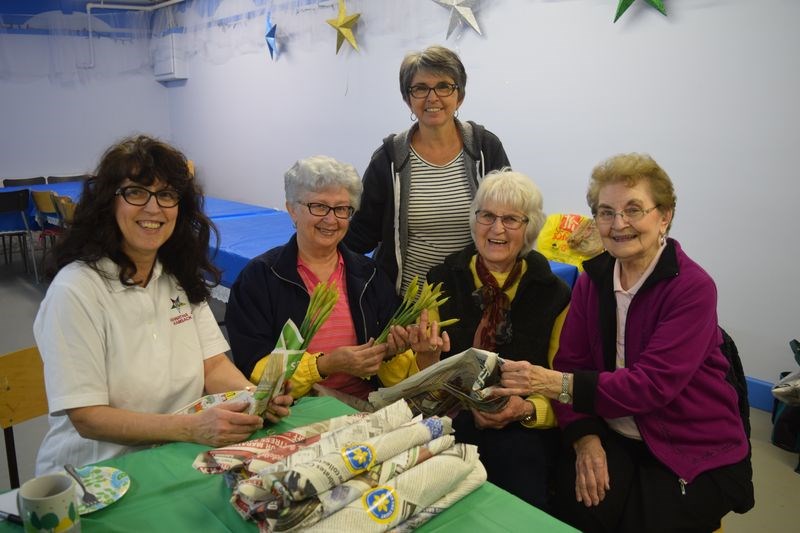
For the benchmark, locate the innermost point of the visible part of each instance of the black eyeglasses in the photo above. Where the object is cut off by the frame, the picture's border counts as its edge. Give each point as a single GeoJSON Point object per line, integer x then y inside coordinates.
{"type": "Point", "coordinates": [441, 89]}
{"type": "Point", "coordinates": [320, 210]}
{"type": "Point", "coordinates": [487, 218]}
{"type": "Point", "coordinates": [139, 196]}
{"type": "Point", "coordinates": [631, 214]}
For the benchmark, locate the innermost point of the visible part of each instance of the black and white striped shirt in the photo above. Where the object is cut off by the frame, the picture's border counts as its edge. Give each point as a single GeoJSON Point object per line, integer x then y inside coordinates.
{"type": "Point", "coordinates": [438, 215]}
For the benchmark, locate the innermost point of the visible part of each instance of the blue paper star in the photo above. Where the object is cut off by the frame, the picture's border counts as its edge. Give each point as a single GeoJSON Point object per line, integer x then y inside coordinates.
{"type": "Point", "coordinates": [269, 36]}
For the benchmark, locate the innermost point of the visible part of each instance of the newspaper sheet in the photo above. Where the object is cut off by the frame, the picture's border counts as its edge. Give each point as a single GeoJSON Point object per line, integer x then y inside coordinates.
{"type": "Point", "coordinates": [463, 380]}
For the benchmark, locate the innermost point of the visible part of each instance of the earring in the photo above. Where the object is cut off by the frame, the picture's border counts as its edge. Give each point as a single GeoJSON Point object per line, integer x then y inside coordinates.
{"type": "Point", "coordinates": [661, 239]}
{"type": "Point", "coordinates": [413, 117]}
{"type": "Point", "coordinates": [455, 115]}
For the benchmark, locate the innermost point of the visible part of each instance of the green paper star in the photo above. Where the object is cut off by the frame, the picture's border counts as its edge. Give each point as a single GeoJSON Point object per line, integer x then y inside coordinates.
{"type": "Point", "coordinates": [623, 6]}
{"type": "Point", "coordinates": [343, 24]}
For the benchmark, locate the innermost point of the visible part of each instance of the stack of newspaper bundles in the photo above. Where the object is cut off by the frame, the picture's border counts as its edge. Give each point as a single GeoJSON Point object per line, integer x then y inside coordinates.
{"type": "Point", "coordinates": [386, 470]}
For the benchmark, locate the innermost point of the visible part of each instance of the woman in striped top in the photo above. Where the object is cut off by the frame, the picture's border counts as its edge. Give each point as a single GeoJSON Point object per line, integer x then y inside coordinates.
{"type": "Point", "coordinates": [321, 196]}
{"type": "Point", "coordinates": [419, 184]}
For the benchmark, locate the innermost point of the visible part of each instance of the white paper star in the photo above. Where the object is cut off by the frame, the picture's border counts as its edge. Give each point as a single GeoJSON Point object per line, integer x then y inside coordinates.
{"type": "Point", "coordinates": [460, 12]}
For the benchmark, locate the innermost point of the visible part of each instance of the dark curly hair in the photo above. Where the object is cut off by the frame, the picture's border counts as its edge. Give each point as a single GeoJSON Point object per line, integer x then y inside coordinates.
{"type": "Point", "coordinates": [94, 232]}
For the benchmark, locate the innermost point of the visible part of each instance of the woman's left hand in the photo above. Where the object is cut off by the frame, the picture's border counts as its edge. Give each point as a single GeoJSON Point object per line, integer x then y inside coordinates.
{"type": "Point", "coordinates": [427, 342]}
{"type": "Point", "coordinates": [521, 378]}
{"type": "Point", "coordinates": [279, 406]}
{"type": "Point", "coordinates": [515, 410]}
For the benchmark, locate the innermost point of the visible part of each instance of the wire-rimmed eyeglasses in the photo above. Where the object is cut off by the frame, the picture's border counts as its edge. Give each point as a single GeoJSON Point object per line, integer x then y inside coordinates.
{"type": "Point", "coordinates": [631, 213]}
{"type": "Point", "coordinates": [320, 210]}
{"type": "Point", "coordinates": [487, 218]}
{"type": "Point", "coordinates": [441, 89]}
{"type": "Point", "coordinates": [139, 196]}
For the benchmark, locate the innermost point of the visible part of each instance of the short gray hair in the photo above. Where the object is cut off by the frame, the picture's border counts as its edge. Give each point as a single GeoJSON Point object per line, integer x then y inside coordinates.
{"type": "Point", "coordinates": [321, 172]}
{"type": "Point", "coordinates": [516, 191]}
{"type": "Point", "coordinates": [436, 60]}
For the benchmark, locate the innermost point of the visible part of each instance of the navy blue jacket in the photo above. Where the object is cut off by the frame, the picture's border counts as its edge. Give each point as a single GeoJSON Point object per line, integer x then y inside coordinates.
{"type": "Point", "coordinates": [269, 291]}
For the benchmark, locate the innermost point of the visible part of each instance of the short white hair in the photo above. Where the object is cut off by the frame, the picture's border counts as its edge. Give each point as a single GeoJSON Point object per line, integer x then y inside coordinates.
{"type": "Point", "coordinates": [320, 172]}
{"type": "Point", "coordinates": [517, 192]}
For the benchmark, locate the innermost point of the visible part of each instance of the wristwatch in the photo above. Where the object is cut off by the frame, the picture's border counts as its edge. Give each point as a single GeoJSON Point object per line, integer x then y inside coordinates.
{"type": "Point", "coordinates": [565, 396]}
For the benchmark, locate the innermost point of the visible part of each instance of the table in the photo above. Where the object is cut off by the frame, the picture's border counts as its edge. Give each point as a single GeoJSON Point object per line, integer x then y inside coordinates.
{"type": "Point", "coordinates": [167, 494]}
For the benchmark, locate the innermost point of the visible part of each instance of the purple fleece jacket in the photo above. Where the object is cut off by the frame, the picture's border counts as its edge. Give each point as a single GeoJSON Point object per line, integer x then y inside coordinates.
{"type": "Point", "coordinates": [674, 381]}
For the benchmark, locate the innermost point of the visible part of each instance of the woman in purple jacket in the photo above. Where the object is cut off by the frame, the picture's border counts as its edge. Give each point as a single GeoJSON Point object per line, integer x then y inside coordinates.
{"type": "Point", "coordinates": [656, 440]}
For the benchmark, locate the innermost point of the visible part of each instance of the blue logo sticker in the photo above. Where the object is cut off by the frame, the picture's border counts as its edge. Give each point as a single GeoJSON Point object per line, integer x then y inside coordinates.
{"type": "Point", "coordinates": [434, 425]}
{"type": "Point", "coordinates": [358, 457]}
{"type": "Point", "coordinates": [381, 504]}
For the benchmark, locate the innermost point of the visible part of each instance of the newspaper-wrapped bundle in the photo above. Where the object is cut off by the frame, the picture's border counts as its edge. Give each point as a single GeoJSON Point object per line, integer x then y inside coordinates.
{"type": "Point", "coordinates": [474, 479]}
{"type": "Point", "coordinates": [462, 380]}
{"type": "Point", "coordinates": [304, 514]}
{"type": "Point", "coordinates": [397, 500]}
{"type": "Point", "coordinates": [787, 389]}
{"type": "Point", "coordinates": [277, 486]}
{"type": "Point", "coordinates": [256, 454]}
{"type": "Point", "coordinates": [309, 479]}
{"type": "Point", "coordinates": [211, 400]}
{"type": "Point", "coordinates": [280, 366]}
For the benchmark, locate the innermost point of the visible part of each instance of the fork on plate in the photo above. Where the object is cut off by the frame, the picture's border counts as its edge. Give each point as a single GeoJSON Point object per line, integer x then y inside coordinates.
{"type": "Point", "coordinates": [89, 499]}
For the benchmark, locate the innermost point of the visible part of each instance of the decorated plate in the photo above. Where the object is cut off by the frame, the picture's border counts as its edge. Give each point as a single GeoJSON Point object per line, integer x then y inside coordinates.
{"type": "Point", "coordinates": [108, 484]}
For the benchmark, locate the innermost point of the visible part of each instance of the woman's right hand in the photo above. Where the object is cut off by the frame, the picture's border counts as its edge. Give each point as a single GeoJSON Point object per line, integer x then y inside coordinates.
{"type": "Point", "coordinates": [591, 471]}
{"type": "Point", "coordinates": [361, 361]}
{"type": "Point", "coordinates": [225, 424]}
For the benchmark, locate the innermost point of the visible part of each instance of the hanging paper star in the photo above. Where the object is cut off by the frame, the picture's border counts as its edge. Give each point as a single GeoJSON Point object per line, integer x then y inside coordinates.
{"type": "Point", "coordinates": [343, 24]}
{"type": "Point", "coordinates": [625, 4]}
{"type": "Point", "coordinates": [269, 36]}
{"type": "Point", "coordinates": [460, 12]}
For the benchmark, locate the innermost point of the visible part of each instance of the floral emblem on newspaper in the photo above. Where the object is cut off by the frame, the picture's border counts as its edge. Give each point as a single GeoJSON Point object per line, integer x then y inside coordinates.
{"type": "Point", "coordinates": [381, 504]}
{"type": "Point", "coordinates": [358, 457]}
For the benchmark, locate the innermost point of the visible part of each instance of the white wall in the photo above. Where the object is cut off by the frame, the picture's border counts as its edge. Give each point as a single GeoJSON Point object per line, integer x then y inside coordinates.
{"type": "Point", "coordinates": [710, 91]}
{"type": "Point", "coordinates": [63, 127]}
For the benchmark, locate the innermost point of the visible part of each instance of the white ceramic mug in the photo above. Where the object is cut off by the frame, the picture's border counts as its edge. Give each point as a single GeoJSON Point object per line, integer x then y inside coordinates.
{"type": "Point", "coordinates": [49, 503]}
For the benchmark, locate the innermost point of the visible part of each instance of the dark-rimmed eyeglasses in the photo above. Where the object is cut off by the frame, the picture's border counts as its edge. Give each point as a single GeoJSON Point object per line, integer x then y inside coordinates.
{"type": "Point", "coordinates": [441, 89]}
{"type": "Point", "coordinates": [320, 210]}
{"type": "Point", "coordinates": [139, 196]}
{"type": "Point", "coordinates": [487, 218]}
{"type": "Point", "coordinates": [631, 214]}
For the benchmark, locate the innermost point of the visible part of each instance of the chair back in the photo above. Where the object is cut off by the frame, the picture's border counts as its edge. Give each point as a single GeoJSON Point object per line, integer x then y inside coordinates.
{"type": "Point", "coordinates": [22, 397]}
{"type": "Point", "coordinates": [16, 182]}
{"type": "Point", "coordinates": [43, 200]}
{"type": "Point", "coordinates": [62, 179]}
{"type": "Point", "coordinates": [15, 201]}
{"type": "Point", "coordinates": [65, 207]}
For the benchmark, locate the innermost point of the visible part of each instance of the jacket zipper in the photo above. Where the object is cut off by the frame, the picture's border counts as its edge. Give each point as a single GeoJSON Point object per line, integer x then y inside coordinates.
{"type": "Point", "coordinates": [682, 483]}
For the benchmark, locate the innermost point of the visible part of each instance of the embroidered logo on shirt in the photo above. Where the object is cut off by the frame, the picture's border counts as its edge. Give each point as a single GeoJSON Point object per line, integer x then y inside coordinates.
{"type": "Point", "coordinates": [177, 304]}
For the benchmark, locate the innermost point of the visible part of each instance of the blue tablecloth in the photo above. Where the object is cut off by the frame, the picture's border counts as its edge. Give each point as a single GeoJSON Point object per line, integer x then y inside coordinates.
{"type": "Point", "coordinates": [217, 208]}
{"type": "Point", "coordinates": [242, 238]}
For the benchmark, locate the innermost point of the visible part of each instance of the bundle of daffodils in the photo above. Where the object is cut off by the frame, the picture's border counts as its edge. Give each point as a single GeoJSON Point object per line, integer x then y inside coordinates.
{"type": "Point", "coordinates": [274, 370]}
{"type": "Point", "coordinates": [414, 302]}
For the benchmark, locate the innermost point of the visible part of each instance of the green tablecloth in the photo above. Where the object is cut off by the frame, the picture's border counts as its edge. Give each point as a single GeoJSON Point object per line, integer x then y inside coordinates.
{"type": "Point", "coordinates": [167, 494]}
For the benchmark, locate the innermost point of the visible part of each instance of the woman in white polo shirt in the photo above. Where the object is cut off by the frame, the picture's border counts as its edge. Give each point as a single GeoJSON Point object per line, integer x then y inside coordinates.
{"type": "Point", "coordinates": [124, 330]}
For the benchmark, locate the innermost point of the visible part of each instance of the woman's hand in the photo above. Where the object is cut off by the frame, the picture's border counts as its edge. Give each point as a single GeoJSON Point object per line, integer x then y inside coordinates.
{"type": "Point", "coordinates": [224, 424]}
{"type": "Point", "coordinates": [515, 410]}
{"type": "Point", "coordinates": [279, 407]}
{"type": "Point", "coordinates": [521, 378]}
{"type": "Point", "coordinates": [591, 471]}
{"type": "Point", "coordinates": [361, 361]}
{"type": "Point", "coordinates": [426, 341]}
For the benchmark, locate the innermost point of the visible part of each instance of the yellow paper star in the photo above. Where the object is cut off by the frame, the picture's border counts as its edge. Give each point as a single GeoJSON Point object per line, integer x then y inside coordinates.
{"type": "Point", "coordinates": [343, 24]}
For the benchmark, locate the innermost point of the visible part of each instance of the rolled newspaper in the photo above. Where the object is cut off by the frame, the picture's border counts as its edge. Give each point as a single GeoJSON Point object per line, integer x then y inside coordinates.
{"type": "Point", "coordinates": [393, 502]}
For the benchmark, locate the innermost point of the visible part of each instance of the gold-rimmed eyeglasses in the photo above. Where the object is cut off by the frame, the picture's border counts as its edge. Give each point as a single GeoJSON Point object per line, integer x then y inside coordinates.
{"type": "Point", "coordinates": [487, 218]}
{"type": "Point", "coordinates": [631, 213]}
